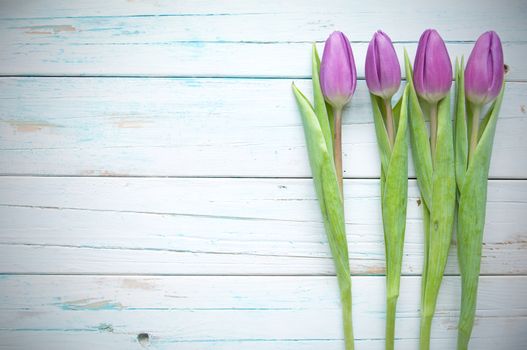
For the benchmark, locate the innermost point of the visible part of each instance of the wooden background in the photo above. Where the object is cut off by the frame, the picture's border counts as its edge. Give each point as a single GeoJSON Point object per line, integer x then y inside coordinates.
{"type": "Point", "coordinates": [155, 189]}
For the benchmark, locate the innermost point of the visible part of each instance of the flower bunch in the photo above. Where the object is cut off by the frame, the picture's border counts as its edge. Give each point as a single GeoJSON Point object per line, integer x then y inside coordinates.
{"type": "Point", "coordinates": [451, 160]}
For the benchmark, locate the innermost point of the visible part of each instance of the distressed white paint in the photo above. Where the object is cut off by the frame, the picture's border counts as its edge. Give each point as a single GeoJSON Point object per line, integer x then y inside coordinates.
{"type": "Point", "coordinates": [232, 38]}
{"type": "Point", "coordinates": [221, 226]}
{"type": "Point", "coordinates": [242, 312]}
{"type": "Point", "coordinates": [195, 127]}
{"type": "Point", "coordinates": [228, 125]}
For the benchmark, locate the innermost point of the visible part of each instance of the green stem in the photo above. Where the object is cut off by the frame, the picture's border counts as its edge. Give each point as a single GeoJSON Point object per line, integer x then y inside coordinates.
{"type": "Point", "coordinates": [463, 338]}
{"type": "Point", "coordinates": [347, 318]}
{"type": "Point", "coordinates": [391, 304]}
{"type": "Point", "coordinates": [426, 328]}
{"type": "Point", "coordinates": [337, 147]}
{"type": "Point", "coordinates": [433, 129]}
{"type": "Point", "coordinates": [474, 133]}
{"type": "Point", "coordinates": [389, 121]}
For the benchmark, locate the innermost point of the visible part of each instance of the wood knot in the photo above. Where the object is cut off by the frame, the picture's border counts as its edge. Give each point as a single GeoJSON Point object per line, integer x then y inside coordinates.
{"type": "Point", "coordinates": [143, 339]}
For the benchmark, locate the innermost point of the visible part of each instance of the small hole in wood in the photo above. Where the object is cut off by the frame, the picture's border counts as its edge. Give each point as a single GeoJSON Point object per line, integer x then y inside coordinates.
{"type": "Point", "coordinates": [143, 339]}
{"type": "Point", "coordinates": [506, 68]}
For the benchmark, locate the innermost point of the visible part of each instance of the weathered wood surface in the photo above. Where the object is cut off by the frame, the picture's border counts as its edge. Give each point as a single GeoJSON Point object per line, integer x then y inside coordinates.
{"type": "Point", "coordinates": [221, 226]}
{"type": "Point", "coordinates": [241, 312]}
{"type": "Point", "coordinates": [233, 38]}
{"type": "Point", "coordinates": [195, 127]}
{"type": "Point", "coordinates": [166, 141]}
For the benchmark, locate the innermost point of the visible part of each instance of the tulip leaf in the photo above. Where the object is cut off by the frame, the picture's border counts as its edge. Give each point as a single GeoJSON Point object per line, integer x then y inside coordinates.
{"type": "Point", "coordinates": [486, 119]}
{"type": "Point", "coordinates": [419, 137]}
{"type": "Point", "coordinates": [319, 102]}
{"type": "Point", "coordinates": [471, 222]}
{"type": "Point", "coordinates": [394, 194]}
{"type": "Point", "coordinates": [437, 184]}
{"type": "Point", "coordinates": [442, 206]}
{"type": "Point", "coordinates": [397, 112]}
{"type": "Point", "coordinates": [461, 135]}
{"type": "Point", "coordinates": [331, 205]}
{"type": "Point", "coordinates": [380, 131]}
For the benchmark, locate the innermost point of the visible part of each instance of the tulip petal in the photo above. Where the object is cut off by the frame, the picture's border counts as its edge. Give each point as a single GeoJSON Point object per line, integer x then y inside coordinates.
{"type": "Point", "coordinates": [383, 72]}
{"type": "Point", "coordinates": [484, 72]}
{"type": "Point", "coordinates": [432, 67]}
{"type": "Point", "coordinates": [338, 75]}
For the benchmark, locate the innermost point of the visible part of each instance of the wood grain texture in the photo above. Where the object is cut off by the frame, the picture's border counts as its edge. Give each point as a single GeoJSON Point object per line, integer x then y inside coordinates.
{"type": "Point", "coordinates": [220, 226]}
{"type": "Point", "coordinates": [199, 92]}
{"type": "Point", "coordinates": [195, 127]}
{"type": "Point", "coordinates": [240, 38]}
{"type": "Point", "coordinates": [240, 312]}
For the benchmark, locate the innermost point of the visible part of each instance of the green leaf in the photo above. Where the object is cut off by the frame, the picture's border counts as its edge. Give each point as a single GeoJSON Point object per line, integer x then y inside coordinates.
{"type": "Point", "coordinates": [397, 112]}
{"type": "Point", "coordinates": [380, 131]}
{"type": "Point", "coordinates": [331, 205]}
{"type": "Point", "coordinates": [442, 206]}
{"type": "Point", "coordinates": [319, 102]}
{"type": "Point", "coordinates": [419, 139]}
{"type": "Point", "coordinates": [437, 184]}
{"type": "Point", "coordinates": [471, 222]}
{"type": "Point", "coordinates": [486, 120]}
{"type": "Point", "coordinates": [394, 203]}
{"type": "Point", "coordinates": [461, 135]}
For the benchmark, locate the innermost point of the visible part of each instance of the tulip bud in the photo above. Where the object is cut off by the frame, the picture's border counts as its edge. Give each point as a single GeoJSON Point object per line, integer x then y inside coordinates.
{"type": "Point", "coordinates": [432, 67]}
{"type": "Point", "coordinates": [338, 75]}
{"type": "Point", "coordinates": [484, 73]}
{"type": "Point", "coordinates": [383, 73]}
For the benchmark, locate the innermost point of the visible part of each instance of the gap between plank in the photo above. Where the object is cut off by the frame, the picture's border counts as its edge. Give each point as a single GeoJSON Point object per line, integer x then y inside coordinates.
{"type": "Point", "coordinates": [197, 76]}
{"type": "Point", "coordinates": [245, 177]}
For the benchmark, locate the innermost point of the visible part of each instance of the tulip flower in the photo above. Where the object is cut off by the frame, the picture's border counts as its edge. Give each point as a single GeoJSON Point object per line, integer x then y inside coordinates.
{"type": "Point", "coordinates": [483, 78]}
{"type": "Point", "coordinates": [432, 76]}
{"type": "Point", "coordinates": [484, 73]}
{"type": "Point", "coordinates": [432, 67]}
{"type": "Point", "coordinates": [338, 80]}
{"type": "Point", "coordinates": [338, 75]}
{"type": "Point", "coordinates": [480, 83]}
{"type": "Point", "coordinates": [383, 74]}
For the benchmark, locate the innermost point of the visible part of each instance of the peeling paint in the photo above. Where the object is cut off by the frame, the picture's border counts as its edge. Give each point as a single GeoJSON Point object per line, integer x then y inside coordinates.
{"type": "Point", "coordinates": [23, 126]}
{"type": "Point", "coordinates": [130, 124]}
{"type": "Point", "coordinates": [49, 29]}
{"type": "Point", "coordinates": [105, 327]}
{"type": "Point", "coordinates": [376, 270]}
{"type": "Point", "coordinates": [85, 304]}
{"type": "Point", "coordinates": [133, 283]}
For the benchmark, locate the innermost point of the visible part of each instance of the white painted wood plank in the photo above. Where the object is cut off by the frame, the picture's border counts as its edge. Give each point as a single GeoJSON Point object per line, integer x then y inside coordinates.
{"type": "Point", "coordinates": [195, 127]}
{"type": "Point", "coordinates": [221, 226]}
{"type": "Point", "coordinates": [226, 38]}
{"type": "Point", "coordinates": [278, 21]}
{"type": "Point", "coordinates": [241, 312]}
{"type": "Point", "coordinates": [199, 59]}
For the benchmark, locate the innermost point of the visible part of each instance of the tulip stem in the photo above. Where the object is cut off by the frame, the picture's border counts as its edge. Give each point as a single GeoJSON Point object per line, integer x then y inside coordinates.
{"type": "Point", "coordinates": [337, 147]}
{"type": "Point", "coordinates": [389, 121]}
{"type": "Point", "coordinates": [433, 129]}
{"type": "Point", "coordinates": [474, 133]}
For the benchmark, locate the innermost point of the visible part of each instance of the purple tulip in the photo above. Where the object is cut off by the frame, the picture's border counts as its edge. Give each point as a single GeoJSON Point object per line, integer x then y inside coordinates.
{"type": "Point", "coordinates": [484, 73]}
{"type": "Point", "coordinates": [338, 76]}
{"type": "Point", "coordinates": [432, 67]}
{"type": "Point", "coordinates": [383, 73]}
